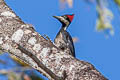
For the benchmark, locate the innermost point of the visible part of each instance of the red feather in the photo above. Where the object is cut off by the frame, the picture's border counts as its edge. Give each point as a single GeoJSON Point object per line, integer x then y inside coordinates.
{"type": "Point", "coordinates": [70, 17]}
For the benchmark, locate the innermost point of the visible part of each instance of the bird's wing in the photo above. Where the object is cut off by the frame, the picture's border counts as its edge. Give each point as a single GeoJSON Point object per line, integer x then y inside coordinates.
{"type": "Point", "coordinates": [69, 42]}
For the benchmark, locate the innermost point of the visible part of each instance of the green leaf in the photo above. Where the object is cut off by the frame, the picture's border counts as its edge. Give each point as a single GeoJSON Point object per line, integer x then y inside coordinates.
{"type": "Point", "coordinates": [117, 2]}
{"type": "Point", "coordinates": [104, 20]}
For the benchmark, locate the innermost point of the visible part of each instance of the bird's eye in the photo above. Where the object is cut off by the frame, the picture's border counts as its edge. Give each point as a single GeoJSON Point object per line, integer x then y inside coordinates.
{"type": "Point", "coordinates": [65, 17]}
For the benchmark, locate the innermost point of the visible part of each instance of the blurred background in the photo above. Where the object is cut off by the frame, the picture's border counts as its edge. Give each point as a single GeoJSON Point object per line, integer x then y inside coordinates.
{"type": "Point", "coordinates": [95, 30]}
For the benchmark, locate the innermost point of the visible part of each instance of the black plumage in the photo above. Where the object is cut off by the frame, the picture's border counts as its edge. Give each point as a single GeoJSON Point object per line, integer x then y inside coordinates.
{"type": "Point", "coordinates": [63, 39]}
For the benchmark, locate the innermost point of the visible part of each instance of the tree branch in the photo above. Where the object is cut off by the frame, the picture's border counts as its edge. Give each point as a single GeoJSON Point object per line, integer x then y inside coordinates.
{"type": "Point", "coordinates": [21, 40]}
{"type": "Point", "coordinates": [40, 64]}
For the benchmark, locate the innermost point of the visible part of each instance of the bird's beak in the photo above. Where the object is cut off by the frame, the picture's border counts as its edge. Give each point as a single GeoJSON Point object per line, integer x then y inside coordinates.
{"type": "Point", "coordinates": [57, 17]}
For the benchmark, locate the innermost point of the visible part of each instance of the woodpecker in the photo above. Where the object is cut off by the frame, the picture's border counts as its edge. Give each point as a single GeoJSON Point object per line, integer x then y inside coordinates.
{"type": "Point", "coordinates": [63, 39]}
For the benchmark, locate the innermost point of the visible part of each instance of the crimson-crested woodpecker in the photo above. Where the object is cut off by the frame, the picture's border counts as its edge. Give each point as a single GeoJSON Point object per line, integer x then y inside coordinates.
{"type": "Point", "coordinates": [63, 39]}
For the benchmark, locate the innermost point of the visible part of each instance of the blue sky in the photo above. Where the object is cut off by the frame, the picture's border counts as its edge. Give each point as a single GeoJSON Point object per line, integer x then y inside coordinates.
{"type": "Point", "coordinates": [92, 47]}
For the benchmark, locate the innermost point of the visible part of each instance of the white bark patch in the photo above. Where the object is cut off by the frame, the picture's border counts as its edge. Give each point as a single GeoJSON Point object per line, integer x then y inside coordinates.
{"type": "Point", "coordinates": [17, 35]}
{"type": "Point", "coordinates": [34, 33]}
{"type": "Point", "coordinates": [32, 40]}
{"type": "Point", "coordinates": [0, 20]}
{"type": "Point", "coordinates": [1, 40]}
{"type": "Point", "coordinates": [6, 37]}
{"type": "Point", "coordinates": [62, 68]}
{"type": "Point", "coordinates": [71, 67]}
{"type": "Point", "coordinates": [37, 47]}
{"type": "Point", "coordinates": [6, 46]}
{"type": "Point", "coordinates": [8, 14]}
{"type": "Point", "coordinates": [83, 67]}
{"type": "Point", "coordinates": [25, 25]}
{"type": "Point", "coordinates": [27, 31]}
{"type": "Point", "coordinates": [29, 60]}
{"type": "Point", "coordinates": [44, 52]}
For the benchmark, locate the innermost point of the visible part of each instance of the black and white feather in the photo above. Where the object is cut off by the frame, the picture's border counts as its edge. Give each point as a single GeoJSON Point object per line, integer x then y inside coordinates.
{"type": "Point", "coordinates": [63, 39]}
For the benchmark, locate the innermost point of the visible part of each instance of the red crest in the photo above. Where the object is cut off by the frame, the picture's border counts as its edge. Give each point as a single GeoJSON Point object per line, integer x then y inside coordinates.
{"type": "Point", "coordinates": [70, 17]}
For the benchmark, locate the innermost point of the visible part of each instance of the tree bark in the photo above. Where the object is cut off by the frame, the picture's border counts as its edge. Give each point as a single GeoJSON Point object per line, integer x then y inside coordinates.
{"type": "Point", "coordinates": [20, 39]}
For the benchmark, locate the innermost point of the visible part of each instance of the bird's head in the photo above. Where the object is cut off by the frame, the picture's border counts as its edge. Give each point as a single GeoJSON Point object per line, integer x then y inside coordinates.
{"type": "Point", "coordinates": [65, 19]}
